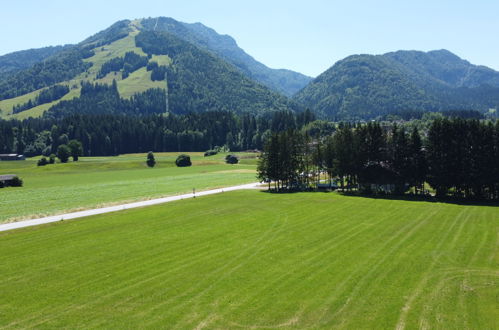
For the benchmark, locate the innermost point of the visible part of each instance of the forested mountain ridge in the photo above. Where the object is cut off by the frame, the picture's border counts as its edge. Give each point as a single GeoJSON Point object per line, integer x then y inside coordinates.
{"type": "Point", "coordinates": [24, 59]}
{"type": "Point", "coordinates": [446, 67]}
{"type": "Point", "coordinates": [198, 79]}
{"type": "Point", "coordinates": [284, 81]}
{"type": "Point", "coordinates": [369, 86]}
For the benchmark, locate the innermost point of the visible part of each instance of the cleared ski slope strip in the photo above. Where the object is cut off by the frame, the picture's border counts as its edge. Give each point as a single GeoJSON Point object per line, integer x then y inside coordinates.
{"type": "Point", "coordinates": [81, 214]}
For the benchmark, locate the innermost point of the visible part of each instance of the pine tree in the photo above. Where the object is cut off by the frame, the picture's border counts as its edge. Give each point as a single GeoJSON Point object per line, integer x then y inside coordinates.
{"type": "Point", "coordinates": [417, 167]}
{"type": "Point", "coordinates": [150, 159]}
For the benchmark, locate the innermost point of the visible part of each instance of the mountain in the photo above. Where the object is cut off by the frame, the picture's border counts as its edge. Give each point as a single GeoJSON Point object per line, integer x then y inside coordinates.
{"type": "Point", "coordinates": [24, 59]}
{"type": "Point", "coordinates": [369, 86]}
{"type": "Point", "coordinates": [284, 81]}
{"type": "Point", "coordinates": [445, 67]}
{"type": "Point", "coordinates": [138, 58]}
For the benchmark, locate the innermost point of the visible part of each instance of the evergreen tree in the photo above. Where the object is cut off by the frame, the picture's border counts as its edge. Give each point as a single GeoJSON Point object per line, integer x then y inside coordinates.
{"type": "Point", "coordinates": [417, 167]}
{"type": "Point", "coordinates": [76, 149]}
{"type": "Point", "coordinates": [150, 159]}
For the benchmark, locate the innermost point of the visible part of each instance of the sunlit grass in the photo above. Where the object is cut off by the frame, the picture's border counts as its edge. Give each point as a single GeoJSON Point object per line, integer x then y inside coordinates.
{"type": "Point", "coordinates": [97, 181]}
{"type": "Point", "coordinates": [250, 259]}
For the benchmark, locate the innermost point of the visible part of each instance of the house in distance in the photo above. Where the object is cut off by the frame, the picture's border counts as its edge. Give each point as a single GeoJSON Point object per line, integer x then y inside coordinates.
{"type": "Point", "coordinates": [7, 180]}
{"type": "Point", "coordinates": [12, 157]}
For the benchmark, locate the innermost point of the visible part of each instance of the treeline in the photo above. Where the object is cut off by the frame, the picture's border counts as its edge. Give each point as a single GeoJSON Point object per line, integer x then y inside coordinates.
{"type": "Point", "coordinates": [127, 64]}
{"type": "Point", "coordinates": [105, 135]}
{"type": "Point", "coordinates": [459, 157]}
{"type": "Point", "coordinates": [420, 114]}
{"type": "Point", "coordinates": [46, 96]}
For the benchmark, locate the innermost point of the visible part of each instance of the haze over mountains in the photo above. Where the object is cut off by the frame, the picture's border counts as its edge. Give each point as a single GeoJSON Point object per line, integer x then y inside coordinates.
{"type": "Point", "coordinates": [208, 71]}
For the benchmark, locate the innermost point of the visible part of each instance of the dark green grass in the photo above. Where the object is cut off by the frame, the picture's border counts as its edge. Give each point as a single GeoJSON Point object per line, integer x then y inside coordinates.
{"type": "Point", "coordinates": [252, 259]}
{"type": "Point", "coordinates": [98, 181]}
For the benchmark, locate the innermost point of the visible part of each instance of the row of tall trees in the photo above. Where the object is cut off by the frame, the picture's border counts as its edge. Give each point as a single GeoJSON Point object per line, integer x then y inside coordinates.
{"type": "Point", "coordinates": [458, 157]}
{"type": "Point", "coordinates": [103, 135]}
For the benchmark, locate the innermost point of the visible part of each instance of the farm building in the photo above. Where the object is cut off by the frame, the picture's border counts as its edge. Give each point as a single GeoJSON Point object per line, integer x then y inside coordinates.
{"type": "Point", "coordinates": [12, 157]}
{"type": "Point", "coordinates": [7, 179]}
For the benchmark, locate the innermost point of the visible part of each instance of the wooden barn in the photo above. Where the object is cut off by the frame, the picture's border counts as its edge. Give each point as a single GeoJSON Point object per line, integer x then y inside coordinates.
{"type": "Point", "coordinates": [7, 179]}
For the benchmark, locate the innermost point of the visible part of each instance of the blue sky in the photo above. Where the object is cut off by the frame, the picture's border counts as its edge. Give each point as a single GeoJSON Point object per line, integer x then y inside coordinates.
{"type": "Point", "coordinates": [305, 36]}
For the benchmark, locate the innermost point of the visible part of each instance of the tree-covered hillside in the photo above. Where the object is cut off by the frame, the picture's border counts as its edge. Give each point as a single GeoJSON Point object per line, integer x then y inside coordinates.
{"type": "Point", "coordinates": [24, 59]}
{"type": "Point", "coordinates": [137, 58]}
{"type": "Point", "coordinates": [199, 81]}
{"type": "Point", "coordinates": [284, 81]}
{"type": "Point", "coordinates": [58, 68]}
{"type": "Point", "coordinates": [445, 67]}
{"type": "Point", "coordinates": [367, 86]}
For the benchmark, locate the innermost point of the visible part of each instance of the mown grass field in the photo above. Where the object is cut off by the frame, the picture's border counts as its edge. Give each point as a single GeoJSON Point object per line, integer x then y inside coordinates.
{"type": "Point", "coordinates": [97, 181]}
{"type": "Point", "coordinates": [249, 259]}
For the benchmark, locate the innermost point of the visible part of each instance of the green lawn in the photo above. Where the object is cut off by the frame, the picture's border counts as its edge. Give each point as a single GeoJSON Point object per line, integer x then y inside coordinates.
{"type": "Point", "coordinates": [250, 259]}
{"type": "Point", "coordinates": [97, 181]}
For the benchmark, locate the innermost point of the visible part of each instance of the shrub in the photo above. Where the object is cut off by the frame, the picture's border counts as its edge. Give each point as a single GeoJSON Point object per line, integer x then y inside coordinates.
{"type": "Point", "coordinates": [16, 182]}
{"type": "Point", "coordinates": [210, 153]}
{"type": "Point", "coordinates": [231, 159]}
{"type": "Point", "coordinates": [183, 161]}
{"type": "Point", "coordinates": [76, 148]}
{"type": "Point", "coordinates": [51, 159]}
{"type": "Point", "coordinates": [63, 153]}
{"type": "Point", "coordinates": [150, 159]}
{"type": "Point", "coordinates": [42, 162]}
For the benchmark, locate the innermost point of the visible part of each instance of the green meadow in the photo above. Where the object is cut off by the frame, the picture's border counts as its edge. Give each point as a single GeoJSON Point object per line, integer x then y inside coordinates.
{"type": "Point", "coordinates": [99, 181]}
{"type": "Point", "coordinates": [250, 259]}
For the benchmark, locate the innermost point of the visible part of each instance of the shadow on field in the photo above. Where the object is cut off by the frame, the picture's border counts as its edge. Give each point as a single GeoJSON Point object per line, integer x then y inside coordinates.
{"type": "Point", "coordinates": [430, 199]}
{"type": "Point", "coordinates": [407, 198]}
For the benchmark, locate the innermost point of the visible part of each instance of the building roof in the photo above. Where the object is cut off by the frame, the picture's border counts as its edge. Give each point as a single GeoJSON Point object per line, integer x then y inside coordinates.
{"type": "Point", "coordinates": [7, 177]}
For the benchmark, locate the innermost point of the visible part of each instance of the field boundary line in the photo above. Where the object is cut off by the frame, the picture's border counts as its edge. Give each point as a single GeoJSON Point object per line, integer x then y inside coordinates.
{"type": "Point", "coordinates": [115, 208]}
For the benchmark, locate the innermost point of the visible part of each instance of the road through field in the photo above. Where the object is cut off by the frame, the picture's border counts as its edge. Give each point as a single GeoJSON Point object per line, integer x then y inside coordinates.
{"type": "Point", "coordinates": [81, 214]}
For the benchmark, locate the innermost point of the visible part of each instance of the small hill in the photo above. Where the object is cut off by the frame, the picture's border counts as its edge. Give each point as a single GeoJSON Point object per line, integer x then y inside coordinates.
{"type": "Point", "coordinates": [368, 86]}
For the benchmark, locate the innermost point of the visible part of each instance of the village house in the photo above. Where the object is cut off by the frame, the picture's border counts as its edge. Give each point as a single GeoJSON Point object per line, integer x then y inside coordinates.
{"type": "Point", "coordinates": [12, 157]}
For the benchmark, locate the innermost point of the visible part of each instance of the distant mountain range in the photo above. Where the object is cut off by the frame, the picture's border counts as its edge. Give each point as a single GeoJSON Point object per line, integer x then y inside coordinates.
{"type": "Point", "coordinates": [160, 64]}
{"type": "Point", "coordinates": [368, 86]}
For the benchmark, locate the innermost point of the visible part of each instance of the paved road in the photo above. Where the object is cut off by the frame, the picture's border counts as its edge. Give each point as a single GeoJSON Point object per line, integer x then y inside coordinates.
{"type": "Point", "coordinates": [81, 214]}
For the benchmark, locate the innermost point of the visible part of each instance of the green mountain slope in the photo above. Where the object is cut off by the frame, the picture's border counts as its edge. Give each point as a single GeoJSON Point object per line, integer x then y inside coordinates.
{"type": "Point", "coordinates": [368, 86]}
{"type": "Point", "coordinates": [284, 81]}
{"type": "Point", "coordinates": [199, 81]}
{"type": "Point", "coordinates": [137, 59]}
